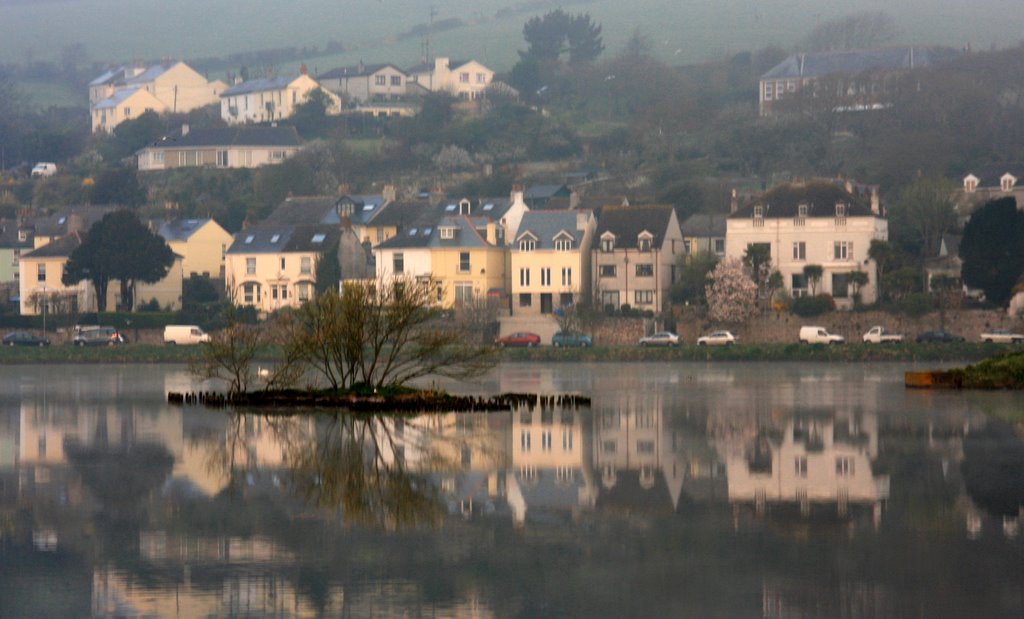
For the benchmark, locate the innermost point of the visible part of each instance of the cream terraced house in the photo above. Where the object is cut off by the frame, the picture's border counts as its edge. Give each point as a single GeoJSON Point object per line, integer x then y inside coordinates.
{"type": "Point", "coordinates": [814, 223]}
{"type": "Point", "coordinates": [201, 243]}
{"type": "Point", "coordinates": [635, 254]}
{"type": "Point", "coordinates": [273, 266]}
{"type": "Point", "coordinates": [266, 100]}
{"type": "Point", "coordinates": [550, 261]}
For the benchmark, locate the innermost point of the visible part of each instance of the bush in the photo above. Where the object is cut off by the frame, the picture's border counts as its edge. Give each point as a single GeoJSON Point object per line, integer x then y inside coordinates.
{"type": "Point", "coordinates": [812, 306]}
{"type": "Point", "coordinates": [916, 304]}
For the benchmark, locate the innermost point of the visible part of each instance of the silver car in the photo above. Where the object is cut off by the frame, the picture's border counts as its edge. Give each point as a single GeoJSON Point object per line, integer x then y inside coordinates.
{"type": "Point", "coordinates": [661, 338]}
{"type": "Point", "coordinates": [718, 338]}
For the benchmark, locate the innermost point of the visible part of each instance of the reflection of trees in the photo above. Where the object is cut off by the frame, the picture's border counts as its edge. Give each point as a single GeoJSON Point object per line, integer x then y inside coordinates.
{"type": "Point", "coordinates": [993, 468]}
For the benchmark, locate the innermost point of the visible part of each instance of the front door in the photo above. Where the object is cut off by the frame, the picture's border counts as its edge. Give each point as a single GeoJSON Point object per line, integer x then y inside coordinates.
{"type": "Point", "coordinates": [545, 303]}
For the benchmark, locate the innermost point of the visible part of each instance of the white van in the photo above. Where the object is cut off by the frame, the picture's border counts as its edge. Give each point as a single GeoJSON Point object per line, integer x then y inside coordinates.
{"type": "Point", "coordinates": [184, 334]}
{"type": "Point", "coordinates": [44, 168]}
{"type": "Point", "coordinates": [818, 335]}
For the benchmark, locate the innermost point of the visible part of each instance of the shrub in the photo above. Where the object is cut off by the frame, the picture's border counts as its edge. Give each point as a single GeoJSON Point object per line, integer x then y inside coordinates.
{"type": "Point", "coordinates": [812, 306]}
{"type": "Point", "coordinates": [916, 304]}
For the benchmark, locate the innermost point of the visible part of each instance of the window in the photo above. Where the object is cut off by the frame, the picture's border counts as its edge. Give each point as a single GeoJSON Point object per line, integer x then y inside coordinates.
{"type": "Point", "coordinates": [842, 250]}
{"type": "Point", "coordinates": [447, 233]}
{"type": "Point", "coordinates": [127, 112]}
{"type": "Point", "coordinates": [545, 276]}
{"type": "Point", "coordinates": [481, 78]}
{"type": "Point", "coordinates": [645, 270]}
{"type": "Point", "coordinates": [277, 155]}
{"type": "Point", "coordinates": [643, 297]}
{"type": "Point", "coordinates": [607, 270]}
{"type": "Point", "coordinates": [758, 211]}
{"type": "Point", "coordinates": [545, 440]}
{"type": "Point", "coordinates": [250, 293]}
{"type": "Point", "coordinates": [719, 246]}
{"type": "Point", "coordinates": [610, 298]}
{"type": "Point", "coordinates": [464, 262]}
{"type": "Point", "coordinates": [304, 291]}
{"type": "Point", "coordinates": [158, 156]}
{"type": "Point", "coordinates": [282, 264]}
{"type": "Point", "coordinates": [305, 265]}
{"type": "Point", "coordinates": [608, 244]}
{"type": "Point", "coordinates": [800, 465]}
{"type": "Point", "coordinates": [643, 420]}
{"type": "Point", "coordinates": [563, 244]}
{"type": "Point", "coordinates": [464, 77]}
{"type": "Point", "coordinates": [799, 250]}
{"type": "Point", "coordinates": [567, 439]}
{"type": "Point", "coordinates": [799, 284]}
{"type": "Point", "coordinates": [566, 276]}
{"type": "Point", "coordinates": [380, 80]}
{"type": "Point", "coordinates": [396, 80]}
{"type": "Point", "coordinates": [398, 263]}
{"type": "Point", "coordinates": [801, 211]}
{"type": "Point", "coordinates": [41, 272]}
{"type": "Point", "coordinates": [844, 466]}
{"type": "Point", "coordinates": [222, 158]}
{"type": "Point", "coordinates": [525, 300]}
{"type": "Point", "coordinates": [609, 447]}
{"type": "Point", "coordinates": [524, 277]}
{"type": "Point", "coordinates": [463, 293]}
{"type": "Point", "coordinates": [768, 91]}
{"type": "Point", "coordinates": [687, 247]}
{"type": "Point", "coordinates": [645, 447]}
{"type": "Point", "coordinates": [840, 286]}
{"type": "Point", "coordinates": [1007, 182]}
{"type": "Point", "coordinates": [644, 244]}
{"type": "Point", "coordinates": [279, 291]}
{"type": "Point", "coordinates": [250, 266]}
{"type": "Point", "coordinates": [527, 245]}
{"type": "Point", "coordinates": [524, 440]}
{"type": "Point", "coordinates": [840, 210]}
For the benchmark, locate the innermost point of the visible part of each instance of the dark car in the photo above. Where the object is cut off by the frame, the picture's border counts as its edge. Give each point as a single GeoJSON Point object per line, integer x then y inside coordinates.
{"type": "Point", "coordinates": [938, 336]}
{"type": "Point", "coordinates": [570, 338]}
{"type": "Point", "coordinates": [519, 338]}
{"type": "Point", "coordinates": [100, 336]}
{"type": "Point", "coordinates": [24, 338]}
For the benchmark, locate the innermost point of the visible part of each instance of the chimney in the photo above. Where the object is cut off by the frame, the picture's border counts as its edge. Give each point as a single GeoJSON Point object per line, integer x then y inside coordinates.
{"type": "Point", "coordinates": [184, 129]}
{"type": "Point", "coordinates": [734, 203]}
{"type": "Point", "coordinates": [440, 64]}
{"type": "Point", "coordinates": [574, 199]}
{"type": "Point", "coordinates": [875, 207]}
{"type": "Point", "coordinates": [303, 70]}
{"type": "Point", "coordinates": [75, 224]}
{"type": "Point", "coordinates": [344, 189]}
{"type": "Point", "coordinates": [582, 217]}
{"type": "Point", "coordinates": [517, 194]}
{"type": "Point", "coordinates": [388, 192]}
{"type": "Point", "coordinates": [362, 67]}
{"type": "Point", "coordinates": [436, 195]}
{"type": "Point", "coordinates": [237, 80]}
{"type": "Point", "coordinates": [492, 233]}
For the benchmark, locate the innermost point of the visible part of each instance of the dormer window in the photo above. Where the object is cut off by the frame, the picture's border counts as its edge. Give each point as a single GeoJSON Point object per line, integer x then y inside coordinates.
{"type": "Point", "coordinates": [801, 211]}
{"type": "Point", "coordinates": [465, 207]}
{"type": "Point", "coordinates": [758, 211]}
{"type": "Point", "coordinates": [608, 244]}
{"type": "Point", "coordinates": [840, 209]}
{"type": "Point", "coordinates": [447, 232]}
{"type": "Point", "coordinates": [563, 244]}
{"type": "Point", "coordinates": [970, 183]}
{"type": "Point", "coordinates": [347, 209]}
{"type": "Point", "coordinates": [644, 244]}
{"type": "Point", "coordinates": [1007, 182]}
{"type": "Point", "coordinates": [527, 245]}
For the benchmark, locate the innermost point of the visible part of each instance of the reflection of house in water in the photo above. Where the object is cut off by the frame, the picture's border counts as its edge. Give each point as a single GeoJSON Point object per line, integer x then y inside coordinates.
{"type": "Point", "coordinates": [810, 461]}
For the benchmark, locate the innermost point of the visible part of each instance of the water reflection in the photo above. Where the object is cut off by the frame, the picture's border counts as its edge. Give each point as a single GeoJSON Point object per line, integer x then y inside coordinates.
{"type": "Point", "coordinates": [755, 490]}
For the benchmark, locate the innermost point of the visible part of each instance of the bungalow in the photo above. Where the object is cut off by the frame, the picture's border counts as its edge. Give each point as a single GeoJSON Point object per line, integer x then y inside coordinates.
{"type": "Point", "coordinates": [270, 99]}
{"type": "Point", "coordinates": [230, 147]}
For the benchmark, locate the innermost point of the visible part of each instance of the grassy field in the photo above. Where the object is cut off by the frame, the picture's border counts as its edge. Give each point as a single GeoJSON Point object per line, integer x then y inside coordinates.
{"type": "Point", "coordinates": [682, 31]}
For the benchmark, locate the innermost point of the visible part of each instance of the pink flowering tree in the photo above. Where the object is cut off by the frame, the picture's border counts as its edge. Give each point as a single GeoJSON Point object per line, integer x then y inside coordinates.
{"type": "Point", "coordinates": [730, 293]}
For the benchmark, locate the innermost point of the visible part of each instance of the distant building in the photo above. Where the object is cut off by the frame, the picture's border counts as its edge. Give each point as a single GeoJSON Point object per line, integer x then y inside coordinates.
{"type": "Point", "coordinates": [862, 78]}
{"type": "Point", "coordinates": [464, 79]}
{"type": "Point", "coordinates": [201, 243]}
{"type": "Point", "coordinates": [220, 147]}
{"type": "Point", "coordinates": [997, 180]}
{"type": "Point", "coordinates": [366, 82]}
{"type": "Point", "coordinates": [265, 100]}
{"type": "Point", "coordinates": [704, 233]}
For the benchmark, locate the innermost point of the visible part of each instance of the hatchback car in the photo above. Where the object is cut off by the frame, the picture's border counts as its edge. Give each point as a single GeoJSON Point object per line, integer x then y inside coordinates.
{"type": "Point", "coordinates": [100, 336]}
{"type": "Point", "coordinates": [571, 338]}
{"type": "Point", "coordinates": [1002, 336]}
{"type": "Point", "coordinates": [718, 338]}
{"type": "Point", "coordinates": [24, 338]}
{"type": "Point", "coordinates": [519, 338]}
{"type": "Point", "coordinates": [661, 338]}
{"type": "Point", "coordinates": [938, 336]}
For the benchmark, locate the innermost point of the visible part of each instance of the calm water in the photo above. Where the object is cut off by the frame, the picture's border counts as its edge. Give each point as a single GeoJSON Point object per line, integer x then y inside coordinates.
{"type": "Point", "coordinates": [687, 490]}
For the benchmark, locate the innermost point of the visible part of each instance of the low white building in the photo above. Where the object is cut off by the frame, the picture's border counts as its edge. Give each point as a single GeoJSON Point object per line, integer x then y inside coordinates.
{"type": "Point", "coordinates": [821, 223]}
{"type": "Point", "coordinates": [363, 82]}
{"type": "Point", "coordinates": [266, 100]}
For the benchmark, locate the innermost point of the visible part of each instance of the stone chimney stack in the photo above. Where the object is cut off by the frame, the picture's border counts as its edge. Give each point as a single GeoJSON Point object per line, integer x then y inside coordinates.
{"type": "Point", "coordinates": [75, 223]}
{"type": "Point", "coordinates": [303, 69]}
{"type": "Point", "coordinates": [436, 195]}
{"type": "Point", "coordinates": [875, 206]}
{"type": "Point", "coordinates": [389, 193]}
{"type": "Point", "coordinates": [517, 194]}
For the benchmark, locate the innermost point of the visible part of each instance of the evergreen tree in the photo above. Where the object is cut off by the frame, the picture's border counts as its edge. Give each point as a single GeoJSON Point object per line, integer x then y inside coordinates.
{"type": "Point", "coordinates": [992, 249]}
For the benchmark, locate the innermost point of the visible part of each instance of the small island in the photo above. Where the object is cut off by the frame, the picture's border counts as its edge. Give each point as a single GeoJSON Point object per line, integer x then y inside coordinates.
{"type": "Point", "coordinates": [1000, 372]}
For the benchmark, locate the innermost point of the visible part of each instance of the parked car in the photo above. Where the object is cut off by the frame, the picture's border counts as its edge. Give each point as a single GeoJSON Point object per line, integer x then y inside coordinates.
{"type": "Point", "coordinates": [519, 338]}
{"type": "Point", "coordinates": [1002, 336]}
{"type": "Point", "coordinates": [24, 338]}
{"type": "Point", "coordinates": [44, 168]}
{"type": "Point", "coordinates": [571, 338]}
{"type": "Point", "coordinates": [938, 336]}
{"type": "Point", "coordinates": [100, 336]}
{"type": "Point", "coordinates": [818, 335]}
{"type": "Point", "coordinates": [661, 338]}
{"type": "Point", "coordinates": [718, 338]}
{"type": "Point", "coordinates": [880, 335]}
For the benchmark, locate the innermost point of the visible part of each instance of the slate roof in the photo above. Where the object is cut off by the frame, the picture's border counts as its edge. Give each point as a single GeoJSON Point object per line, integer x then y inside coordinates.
{"type": "Point", "coordinates": [820, 196]}
{"type": "Point", "coordinates": [261, 84]}
{"type": "Point", "coordinates": [359, 70]}
{"type": "Point", "coordinates": [109, 76]}
{"type": "Point", "coordinates": [545, 225]}
{"type": "Point", "coordinates": [627, 222]}
{"type": "Point", "coordinates": [230, 136]}
{"type": "Point", "coordinates": [306, 210]}
{"type": "Point", "coordinates": [468, 234]}
{"type": "Point", "coordinates": [148, 75]}
{"type": "Point", "coordinates": [542, 192]}
{"type": "Point", "coordinates": [364, 207]}
{"type": "Point", "coordinates": [115, 99]}
{"type": "Point", "coordinates": [817, 64]}
{"type": "Point", "coordinates": [58, 248]}
{"type": "Point", "coordinates": [57, 224]}
{"type": "Point", "coordinates": [990, 175]}
{"type": "Point", "coordinates": [403, 214]}
{"type": "Point", "coordinates": [284, 239]}
{"type": "Point", "coordinates": [180, 229]}
{"type": "Point", "coordinates": [9, 236]}
{"type": "Point", "coordinates": [703, 225]}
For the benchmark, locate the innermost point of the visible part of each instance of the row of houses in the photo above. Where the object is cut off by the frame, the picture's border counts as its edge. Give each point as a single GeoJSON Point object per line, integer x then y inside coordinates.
{"type": "Point", "coordinates": [126, 92]}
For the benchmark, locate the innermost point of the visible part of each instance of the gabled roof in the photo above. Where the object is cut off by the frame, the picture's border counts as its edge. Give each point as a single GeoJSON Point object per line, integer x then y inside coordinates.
{"type": "Point", "coordinates": [109, 76]}
{"type": "Point", "coordinates": [363, 207]}
{"type": "Point", "coordinates": [543, 192]}
{"type": "Point", "coordinates": [820, 197]}
{"type": "Point", "coordinates": [818, 64]}
{"type": "Point", "coordinates": [285, 137]}
{"type": "Point", "coordinates": [404, 213]}
{"type": "Point", "coordinates": [9, 235]}
{"type": "Point", "coordinates": [546, 225]}
{"type": "Point", "coordinates": [180, 229]}
{"type": "Point", "coordinates": [148, 75]}
{"type": "Point", "coordinates": [116, 99]}
{"type": "Point", "coordinates": [628, 222]}
{"type": "Point", "coordinates": [306, 210]}
{"type": "Point", "coordinates": [467, 232]}
{"type": "Point", "coordinates": [261, 84]}
{"type": "Point", "coordinates": [990, 175]}
{"type": "Point", "coordinates": [359, 70]}
{"type": "Point", "coordinates": [282, 239]}
{"type": "Point", "coordinates": [58, 248]}
{"type": "Point", "coordinates": [704, 225]}
{"type": "Point", "coordinates": [57, 224]}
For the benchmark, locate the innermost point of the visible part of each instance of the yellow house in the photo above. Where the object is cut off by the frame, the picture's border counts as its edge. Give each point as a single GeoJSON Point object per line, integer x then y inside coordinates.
{"type": "Point", "coordinates": [124, 105]}
{"type": "Point", "coordinates": [201, 243]}
{"type": "Point", "coordinates": [550, 260]}
{"type": "Point", "coordinates": [41, 272]}
{"type": "Point", "coordinates": [274, 265]}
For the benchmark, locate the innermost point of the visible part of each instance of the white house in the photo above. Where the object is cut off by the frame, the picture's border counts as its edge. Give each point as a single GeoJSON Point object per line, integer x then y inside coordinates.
{"type": "Point", "coordinates": [465, 79]}
{"type": "Point", "coordinates": [268, 99]}
{"type": "Point", "coordinates": [815, 223]}
{"type": "Point", "coordinates": [363, 82]}
{"type": "Point", "coordinates": [221, 147]}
